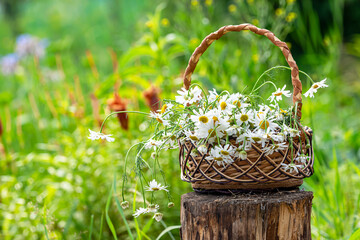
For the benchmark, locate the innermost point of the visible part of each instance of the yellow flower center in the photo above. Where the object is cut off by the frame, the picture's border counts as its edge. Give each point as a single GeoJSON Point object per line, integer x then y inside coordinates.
{"type": "Point", "coordinates": [215, 119]}
{"type": "Point", "coordinates": [264, 124]}
{"type": "Point", "coordinates": [203, 119]}
{"type": "Point", "coordinates": [256, 139]}
{"type": "Point", "coordinates": [315, 86]}
{"type": "Point", "coordinates": [237, 103]}
{"type": "Point", "coordinates": [163, 109]}
{"type": "Point", "coordinates": [193, 137]}
{"type": "Point", "coordinates": [244, 117]}
{"type": "Point", "coordinates": [155, 189]}
{"type": "Point", "coordinates": [278, 94]}
{"type": "Point", "coordinates": [226, 153]}
{"type": "Point", "coordinates": [283, 111]}
{"type": "Point", "coordinates": [259, 114]}
{"type": "Point", "coordinates": [159, 120]}
{"type": "Point", "coordinates": [218, 159]}
{"type": "Point", "coordinates": [212, 132]}
{"type": "Point", "coordinates": [223, 105]}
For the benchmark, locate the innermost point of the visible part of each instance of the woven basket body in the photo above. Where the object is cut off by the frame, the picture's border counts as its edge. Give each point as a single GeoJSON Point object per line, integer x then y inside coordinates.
{"type": "Point", "coordinates": [259, 171]}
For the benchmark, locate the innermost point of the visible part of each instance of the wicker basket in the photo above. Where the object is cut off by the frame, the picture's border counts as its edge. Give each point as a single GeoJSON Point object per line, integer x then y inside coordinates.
{"type": "Point", "coordinates": [258, 171]}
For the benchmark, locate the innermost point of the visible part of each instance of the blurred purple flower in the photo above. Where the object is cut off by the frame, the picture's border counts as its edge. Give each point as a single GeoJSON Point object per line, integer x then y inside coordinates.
{"type": "Point", "coordinates": [28, 45]}
{"type": "Point", "coordinates": [9, 63]}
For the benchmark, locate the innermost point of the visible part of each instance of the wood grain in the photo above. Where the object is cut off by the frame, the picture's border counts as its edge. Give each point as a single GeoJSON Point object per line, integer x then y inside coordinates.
{"type": "Point", "coordinates": [280, 215]}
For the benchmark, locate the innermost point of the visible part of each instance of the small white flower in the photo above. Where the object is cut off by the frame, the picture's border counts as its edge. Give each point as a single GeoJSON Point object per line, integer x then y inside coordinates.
{"type": "Point", "coordinates": [221, 155]}
{"type": "Point", "coordinates": [276, 147]}
{"type": "Point", "coordinates": [265, 123]}
{"type": "Point", "coordinates": [202, 149]}
{"type": "Point", "coordinates": [153, 143]}
{"type": "Point", "coordinates": [160, 118]}
{"type": "Point", "coordinates": [256, 137]}
{"type": "Point", "coordinates": [290, 131]}
{"type": "Point", "coordinates": [140, 211]}
{"type": "Point", "coordinates": [125, 205]}
{"type": "Point", "coordinates": [240, 153]}
{"type": "Point", "coordinates": [245, 116]}
{"type": "Point", "coordinates": [188, 97]}
{"type": "Point", "coordinates": [154, 186]}
{"type": "Point", "coordinates": [277, 95]}
{"type": "Point", "coordinates": [315, 87]}
{"type": "Point", "coordinates": [291, 167]}
{"type": "Point", "coordinates": [97, 135]}
{"type": "Point", "coordinates": [158, 216]}
{"type": "Point", "coordinates": [225, 105]}
{"type": "Point", "coordinates": [200, 117]}
{"type": "Point", "coordinates": [212, 96]}
{"type": "Point", "coordinates": [302, 158]}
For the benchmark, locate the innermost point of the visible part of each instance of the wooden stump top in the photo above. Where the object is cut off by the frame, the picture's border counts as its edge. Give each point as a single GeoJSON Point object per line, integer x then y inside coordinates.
{"type": "Point", "coordinates": [279, 215]}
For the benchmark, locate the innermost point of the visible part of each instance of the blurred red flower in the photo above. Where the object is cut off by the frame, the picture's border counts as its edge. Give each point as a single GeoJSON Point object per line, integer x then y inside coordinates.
{"type": "Point", "coordinates": [117, 104]}
{"type": "Point", "coordinates": [152, 98]}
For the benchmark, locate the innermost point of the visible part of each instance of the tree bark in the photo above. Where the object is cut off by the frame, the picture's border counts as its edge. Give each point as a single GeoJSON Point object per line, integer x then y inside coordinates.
{"type": "Point", "coordinates": [280, 215]}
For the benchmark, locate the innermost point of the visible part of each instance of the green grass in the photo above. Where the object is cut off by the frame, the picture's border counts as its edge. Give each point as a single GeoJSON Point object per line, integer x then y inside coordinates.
{"type": "Point", "coordinates": [55, 183]}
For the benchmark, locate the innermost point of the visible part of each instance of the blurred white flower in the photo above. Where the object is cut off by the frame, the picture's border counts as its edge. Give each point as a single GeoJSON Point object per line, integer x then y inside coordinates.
{"type": "Point", "coordinates": [97, 135]}
{"type": "Point", "coordinates": [302, 158]}
{"type": "Point", "coordinates": [9, 64]}
{"type": "Point", "coordinates": [27, 45]}
{"type": "Point", "coordinates": [154, 186]}
{"type": "Point", "coordinates": [315, 87]}
{"type": "Point", "coordinates": [153, 143]}
{"type": "Point", "coordinates": [140, 211]}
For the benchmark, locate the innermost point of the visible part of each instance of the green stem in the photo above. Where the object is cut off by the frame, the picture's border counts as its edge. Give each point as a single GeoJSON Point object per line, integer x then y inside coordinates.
{"type": "Point", "coordinates": [113, 113]}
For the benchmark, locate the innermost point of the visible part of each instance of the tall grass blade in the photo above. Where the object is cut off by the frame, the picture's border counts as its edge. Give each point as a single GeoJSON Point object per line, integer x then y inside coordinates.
{"type": "Point", "coordinates": [168, 229]}
{"type": "Point", "coordinates": [108, 220]}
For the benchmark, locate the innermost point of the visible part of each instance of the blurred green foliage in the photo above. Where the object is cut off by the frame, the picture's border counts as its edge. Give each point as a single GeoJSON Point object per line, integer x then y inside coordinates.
{"type": "Point", "coordinates": [55, 183]}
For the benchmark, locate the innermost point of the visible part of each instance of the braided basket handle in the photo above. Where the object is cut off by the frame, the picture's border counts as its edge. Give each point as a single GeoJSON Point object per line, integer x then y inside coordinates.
{"type": "Point", "coordinates": [297, 86]}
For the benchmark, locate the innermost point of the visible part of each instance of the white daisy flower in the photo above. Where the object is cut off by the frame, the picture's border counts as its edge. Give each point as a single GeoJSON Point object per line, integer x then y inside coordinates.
{"type": "Point", "coordinates": [154, 186]}
{"type": "Point", "coordinates": [152, 208]}
{"type": "Point", "coordinates": [193, 136]}
{"type": "Point", "coordinates": [276, 147]}
{"type": "Point", "coordinates": [290, 131]}
{"type": "Point", "coordinates": [188, 97]}
{"type": "Point", "coordinates": [265, 122]}
{"type": "Point", "coordinates": [245, 116]}
{"type": "Point", "coordinates": [202, 149]}
{"type": "Point", "coordinates": [200, 117]}
{"type": "Point", "coordinates": [166, 108]}
{"type": "Point", "coordinates": [256, 137]}
{"type": "Point", "coordinates": [277, 95]}
{"type": "Point", "coordinates": [225, 106]}
{"type": "Point", "coordinates": [97, 135]}
{"type": "Point", "coordinates": [302, 158]}
{"type": "Point", "coordinates": [140, 211]}
{"type": "Point", "coordinates": [221, 155]}
{"type": "Point", "coordinates": [152, 143]}
{"type": "Point", "coordinates": [315, 87]}
{"type": "Point", "coordinates": [213, 95]}
{"type": "Point", "coordinates": [160, 118]}
{"type": "Point", "coordinates": [291, 167]}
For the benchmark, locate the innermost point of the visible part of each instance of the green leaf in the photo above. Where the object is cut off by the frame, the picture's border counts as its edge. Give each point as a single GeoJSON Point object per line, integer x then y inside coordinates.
{"type": "Point", "coordinates": [168, 229]}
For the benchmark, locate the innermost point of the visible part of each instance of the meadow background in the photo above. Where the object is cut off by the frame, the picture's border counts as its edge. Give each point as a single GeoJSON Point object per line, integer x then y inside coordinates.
{"type": "Point", "coordinates": [57, 184]}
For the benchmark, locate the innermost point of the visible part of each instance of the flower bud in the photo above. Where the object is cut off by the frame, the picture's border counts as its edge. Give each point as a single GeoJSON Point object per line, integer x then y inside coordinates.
{"type": "Point", "coordinates": [308, 146]}
{"type": "Point", "coordinates": [158, 216]}
{"type": "Point", "coordinates": [153, 155]}
{"type": "Point", "coordinates": [171, 204]}
{"type": "Point", "coordinates": [125, 204]}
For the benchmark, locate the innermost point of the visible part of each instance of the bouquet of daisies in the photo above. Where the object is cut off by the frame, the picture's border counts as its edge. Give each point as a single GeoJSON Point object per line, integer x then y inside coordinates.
{"type": "Point", "coordinates": [222, 126]}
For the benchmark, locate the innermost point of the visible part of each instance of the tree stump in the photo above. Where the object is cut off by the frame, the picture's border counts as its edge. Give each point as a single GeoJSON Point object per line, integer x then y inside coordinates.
{"type": "Point", "coordinates": [280, 215]}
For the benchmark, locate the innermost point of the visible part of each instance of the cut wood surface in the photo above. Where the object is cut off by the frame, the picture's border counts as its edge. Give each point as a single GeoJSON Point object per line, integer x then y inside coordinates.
{"type": "Point", "coordinates": [279, 215]}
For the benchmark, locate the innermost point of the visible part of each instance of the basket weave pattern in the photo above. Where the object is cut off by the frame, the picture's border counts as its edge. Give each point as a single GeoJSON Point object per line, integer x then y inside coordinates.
{"type": "Point", "coordinates": [258, 171]}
